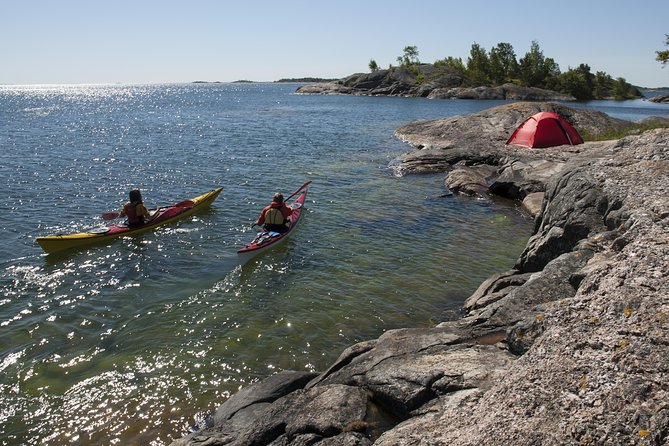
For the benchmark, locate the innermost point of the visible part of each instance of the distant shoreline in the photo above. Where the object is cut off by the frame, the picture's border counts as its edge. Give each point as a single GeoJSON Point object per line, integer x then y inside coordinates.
{"type": "Point", "coordinates": [286, 81]}
{"type": "Point", "coordinates": [291, 80]}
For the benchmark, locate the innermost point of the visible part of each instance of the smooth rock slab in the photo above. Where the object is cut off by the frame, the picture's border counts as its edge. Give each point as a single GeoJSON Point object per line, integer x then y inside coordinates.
{"type": "Point", "coordinates": [301, 417]}
{"type": "Point", "coordinates": [403, 384]}
{"type": "Point", "coordinates": [266, 391]}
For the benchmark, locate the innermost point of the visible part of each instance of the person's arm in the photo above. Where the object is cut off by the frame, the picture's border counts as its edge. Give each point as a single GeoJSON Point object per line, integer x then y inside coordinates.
{"type": "Point", "coordinates": [122, 212]}
{"type": "Point", "coordinates": [143, 211]}
{"type": "Point", "coordinates": [261, 220]}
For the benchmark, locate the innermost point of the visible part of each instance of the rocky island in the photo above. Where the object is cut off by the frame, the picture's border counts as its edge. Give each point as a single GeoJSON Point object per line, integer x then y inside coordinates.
{"type": "Point", "coordinates": [436, 83]}
{"type": "Point", "coordinates": [660, 99]}
{"type": "Point", "coordinates": [570, 346]}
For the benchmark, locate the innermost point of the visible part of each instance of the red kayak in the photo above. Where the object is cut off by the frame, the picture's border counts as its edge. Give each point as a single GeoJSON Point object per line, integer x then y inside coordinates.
{"type": "Point", "coordinates": [265, 240]}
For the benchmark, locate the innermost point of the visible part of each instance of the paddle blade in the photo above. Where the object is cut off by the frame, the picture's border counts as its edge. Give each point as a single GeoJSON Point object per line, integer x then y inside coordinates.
{"type": "Point", "coordinates": [109, 215]}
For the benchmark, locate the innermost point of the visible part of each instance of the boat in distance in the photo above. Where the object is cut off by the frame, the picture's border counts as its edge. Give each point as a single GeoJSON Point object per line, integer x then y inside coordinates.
{"type": "Point", "coordinates": [161, 216]}
{"type": "Point", "coordinates": [264, 240]}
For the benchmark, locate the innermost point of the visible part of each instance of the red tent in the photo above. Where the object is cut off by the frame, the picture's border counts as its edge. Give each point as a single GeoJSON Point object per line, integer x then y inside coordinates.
{"type": "Point", "coordinates": [545, 129]}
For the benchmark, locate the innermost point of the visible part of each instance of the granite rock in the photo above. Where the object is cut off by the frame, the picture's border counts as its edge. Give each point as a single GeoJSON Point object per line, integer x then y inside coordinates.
{"type": "Point", "coordinates": [569, 347]}
{"type": "Point", "coordinates": [427, 80]}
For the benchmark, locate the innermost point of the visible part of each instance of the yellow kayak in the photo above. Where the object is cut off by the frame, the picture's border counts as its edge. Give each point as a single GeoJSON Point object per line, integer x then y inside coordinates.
{"type": "Point", "coordinates": [161, 216]}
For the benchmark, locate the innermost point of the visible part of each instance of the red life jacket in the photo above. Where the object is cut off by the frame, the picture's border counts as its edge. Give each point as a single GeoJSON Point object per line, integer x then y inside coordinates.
{"type": "Point", "coordinates": [131, 212]}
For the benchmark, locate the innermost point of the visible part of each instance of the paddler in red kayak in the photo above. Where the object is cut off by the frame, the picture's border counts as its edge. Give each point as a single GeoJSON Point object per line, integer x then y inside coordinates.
{"type": "Point", "coordinates": [135, 210]}
{"type": "Point", "coordinates": [275, 216]}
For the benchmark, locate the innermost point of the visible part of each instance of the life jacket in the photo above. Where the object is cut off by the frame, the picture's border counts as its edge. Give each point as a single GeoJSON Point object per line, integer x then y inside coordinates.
{"type": "Point", "coordinates": [273, 216]}
{"type": "Point", "coordinates": [274, 219]}
{"type": "Point", "coordinates": [131, 212]}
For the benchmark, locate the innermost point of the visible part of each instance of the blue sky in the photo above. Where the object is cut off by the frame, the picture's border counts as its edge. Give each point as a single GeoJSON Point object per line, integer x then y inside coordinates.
{"type": "Point", "coordinates": [142, 41]}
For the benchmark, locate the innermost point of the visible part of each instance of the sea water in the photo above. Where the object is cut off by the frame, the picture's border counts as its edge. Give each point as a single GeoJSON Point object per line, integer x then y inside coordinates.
{"type": "Point", "coordinates": [137, 341]}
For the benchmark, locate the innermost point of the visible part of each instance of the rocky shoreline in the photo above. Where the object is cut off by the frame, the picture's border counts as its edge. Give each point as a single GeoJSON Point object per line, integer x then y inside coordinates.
{"type": "Point", "coordinates": [437, 83]}
{"type": "Point", "coordinates": [571, 346]}
{"type": "Point", "coordinates": [660, 99]}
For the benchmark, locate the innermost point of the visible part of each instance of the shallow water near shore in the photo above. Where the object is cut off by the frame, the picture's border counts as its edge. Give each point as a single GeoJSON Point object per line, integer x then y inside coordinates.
{"type": "Point", "coordinates": [135, 342]}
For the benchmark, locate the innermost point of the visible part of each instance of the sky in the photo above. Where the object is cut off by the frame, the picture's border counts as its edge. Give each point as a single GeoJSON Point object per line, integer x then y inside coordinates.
{"type": "Point", "coordinates": [166, 41]}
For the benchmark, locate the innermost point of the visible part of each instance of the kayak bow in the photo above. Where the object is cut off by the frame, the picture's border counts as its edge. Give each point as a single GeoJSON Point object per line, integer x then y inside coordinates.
{"type": "Point", "coordinates": [161, 216]}
{"type": "Point", "coordinates": [264, 241]}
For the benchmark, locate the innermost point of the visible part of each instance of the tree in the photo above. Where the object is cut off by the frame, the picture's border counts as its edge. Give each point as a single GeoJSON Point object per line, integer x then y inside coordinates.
{"type": "Point", "coordinates": [373, 66]}
{"type": "Point", "coordinates": [531, 66]}
{"type": "Point", "coordinates": [663, 56]}
{"type": "Point", "coordinates": [551, 74]}
{"type": "Point", "coordinates": [584, 70]}
{"type": "Point", "coordinates": [623, 90]}
{"type": "Point", "coordinates": [478, 65]}
{"type": "Point", "coordinates": [537, 70]}
{"type": "Point", "coordinates": [453, 62]}
{"type": "Point", "coordinates": [579, 82]}
{"type": "Point", "coordinates": [503, 63]}
{"type": "Point", "coordinates": [574, 83]}
{"type": "Point", "coordinates": [603, 84]}
{"type": "Point", "coordinates": [583, 85]}
{"type": "Point", "coordinates": [410, 56]}
{"type": "Point", "coordinates": [497, 72]}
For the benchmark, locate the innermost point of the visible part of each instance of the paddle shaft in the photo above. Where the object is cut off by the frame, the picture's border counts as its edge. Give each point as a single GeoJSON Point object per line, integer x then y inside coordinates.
{"type": "Point", "coordinates": [298, 190]}
{"type": "Point", "coordinates": [291, 196]}
{"type": "Point", "coordinates": [181, 204]}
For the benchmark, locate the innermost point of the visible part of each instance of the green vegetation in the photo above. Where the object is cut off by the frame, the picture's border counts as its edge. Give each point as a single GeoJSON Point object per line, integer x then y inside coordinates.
{"type": "Point", "coordinates": [500, 65]}
{"type": "Point", "coordinates": [478, 65]}
{"type": "Point", "coordinates": [420, 78]}
{"type": "Point", "coordinates": [632, 129]}
{"type": "Point", "coordinates": [373, 66]}
{"type": "Point", "coordinates": [663, 56]}
{"type": "Point", "coordinates": [452, 62]}
{"type": "Point", "coordinates": [410, 56]}
{"type": "Point", "coordinates": [503, 64]}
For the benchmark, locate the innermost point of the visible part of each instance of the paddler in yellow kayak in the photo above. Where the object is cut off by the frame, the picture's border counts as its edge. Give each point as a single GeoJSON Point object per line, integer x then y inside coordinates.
{"type": "Point", "coordinates": [135, 210]}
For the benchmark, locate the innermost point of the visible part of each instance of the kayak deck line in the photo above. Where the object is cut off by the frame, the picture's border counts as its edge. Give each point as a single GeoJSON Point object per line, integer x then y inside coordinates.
{"type": "Point", "coordinates": [162, 216]}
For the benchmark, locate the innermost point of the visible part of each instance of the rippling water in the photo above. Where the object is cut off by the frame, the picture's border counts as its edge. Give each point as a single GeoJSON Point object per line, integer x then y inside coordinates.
{"type": "Point", "coordinates": [137, 341]}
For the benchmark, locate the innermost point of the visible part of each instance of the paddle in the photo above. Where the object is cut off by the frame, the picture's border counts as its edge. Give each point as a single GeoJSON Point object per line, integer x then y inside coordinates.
{"type": "Point", "coordinates": [181, 204]}
{"type": "Point", "coordinates": [291, 196]}
{"type": "Point", "coordinates": [298, 190]}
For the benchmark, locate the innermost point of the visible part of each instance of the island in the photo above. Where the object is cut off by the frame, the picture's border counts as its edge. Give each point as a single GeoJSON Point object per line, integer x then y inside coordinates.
{"type": "Point", "coordinates": [493, 74]}
{"type": "Point", "coordinates": [437, 83]}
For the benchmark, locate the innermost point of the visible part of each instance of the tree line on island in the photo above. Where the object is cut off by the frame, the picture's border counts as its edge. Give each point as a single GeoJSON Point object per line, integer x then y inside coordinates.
{"type": "Point", "coordinates": [500, 66]}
